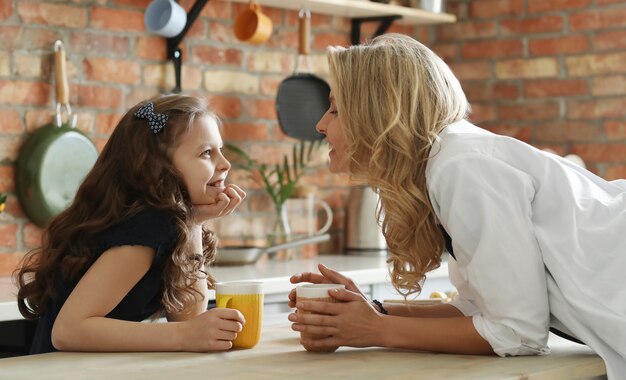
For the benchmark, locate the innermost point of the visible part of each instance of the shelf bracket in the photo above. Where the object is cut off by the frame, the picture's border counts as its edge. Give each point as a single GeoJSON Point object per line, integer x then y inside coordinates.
{"type": "Point", "coordinates": [173, 51]}
{"type": "Point", "coordinates": [385, 23]}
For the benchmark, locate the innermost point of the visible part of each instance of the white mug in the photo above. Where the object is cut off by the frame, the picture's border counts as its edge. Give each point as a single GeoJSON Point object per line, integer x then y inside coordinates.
{"type": "Point", "coordinates": [165, 18]}
{"type": "Point", "coordinates": [302, 215]}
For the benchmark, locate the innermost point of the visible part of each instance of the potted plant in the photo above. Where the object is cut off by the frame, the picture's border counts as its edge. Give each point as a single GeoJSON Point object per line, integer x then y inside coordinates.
{"type": "Point", "coordinates": [279, 180]}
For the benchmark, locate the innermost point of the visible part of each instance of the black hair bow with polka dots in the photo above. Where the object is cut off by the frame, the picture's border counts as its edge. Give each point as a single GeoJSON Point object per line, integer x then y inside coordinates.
{"type": "Point", "coordinates": [156, 121]}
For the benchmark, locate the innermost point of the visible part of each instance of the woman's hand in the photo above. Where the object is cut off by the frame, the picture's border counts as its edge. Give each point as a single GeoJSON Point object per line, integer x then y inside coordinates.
{"type": "Point", "coordinates": [327, 276]}
{"type": "Point", "coordinates": [213, 330]}
{"type": "Point", "coordinates": [350, 322]}
{"type": "Point", "coordinates": [224, 204]}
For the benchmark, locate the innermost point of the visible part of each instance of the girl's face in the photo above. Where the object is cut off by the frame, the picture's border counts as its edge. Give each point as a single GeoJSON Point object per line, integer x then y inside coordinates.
{"type": "Point", "coordinates": [198, 157]}
{"type": "Point", "coordinates": [330, 126]}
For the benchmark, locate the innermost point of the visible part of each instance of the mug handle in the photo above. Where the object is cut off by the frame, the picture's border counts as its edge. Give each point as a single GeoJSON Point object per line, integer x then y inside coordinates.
{"type": "Point", "coordinates": [329, 216]}
{"type": "Point", "coordinates": [224, 302]}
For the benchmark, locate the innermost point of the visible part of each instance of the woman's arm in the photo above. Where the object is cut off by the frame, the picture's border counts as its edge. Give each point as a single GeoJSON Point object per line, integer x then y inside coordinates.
{"type": "Point", "coordinates": [422, 311]}
{"type": "Point", "coordinates": [353, 322]}
{"type": "Point", "coordinates": [82, 326]}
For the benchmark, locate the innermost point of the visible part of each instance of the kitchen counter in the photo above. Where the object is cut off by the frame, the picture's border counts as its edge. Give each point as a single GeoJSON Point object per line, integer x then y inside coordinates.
{"type": "Point", "coordinates": [279, 355]}
{"type": "Point", "coordinates": [274, 275]}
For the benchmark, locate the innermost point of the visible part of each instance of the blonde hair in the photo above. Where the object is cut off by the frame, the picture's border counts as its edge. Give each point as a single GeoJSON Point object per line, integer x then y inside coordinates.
{"type": "Point", "coordinates": [393, 97]}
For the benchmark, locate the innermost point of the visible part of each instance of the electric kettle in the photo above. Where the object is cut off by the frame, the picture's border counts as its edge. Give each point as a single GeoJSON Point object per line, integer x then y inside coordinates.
{"type": "Point", "coordinates": [363, 235]}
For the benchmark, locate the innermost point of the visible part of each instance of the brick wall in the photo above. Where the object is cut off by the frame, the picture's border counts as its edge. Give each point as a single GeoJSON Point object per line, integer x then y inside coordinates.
{"type": "Point", "coordinates": [552, 73]}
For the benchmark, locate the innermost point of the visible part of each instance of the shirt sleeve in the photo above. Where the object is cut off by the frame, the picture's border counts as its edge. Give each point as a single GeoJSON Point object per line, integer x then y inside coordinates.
{"type": "Point", "coordinates": [486, 207]}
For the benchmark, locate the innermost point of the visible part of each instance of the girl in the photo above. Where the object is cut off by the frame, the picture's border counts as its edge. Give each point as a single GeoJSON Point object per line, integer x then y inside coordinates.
{"type": "Point", "coordinates": [537, 242]}
{"type": "Point", "coordinates": [132, 245]}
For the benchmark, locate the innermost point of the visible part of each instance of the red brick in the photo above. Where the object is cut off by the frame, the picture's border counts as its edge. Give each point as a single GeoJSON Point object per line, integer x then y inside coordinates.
{"type": "Point", "coordinates": [615, 130]}
{"type": "Point", "coordinates": [112, 70]}
{"type": "Point", "coordinates": [595, 64]}
{"type": "Point", "coordinates": [482, 113]}
{"type": "Point", "coordinates": [614, 172]}
{"type": "Point", "coordinates": [36, 119]}
{"type": "Point", "coordinates": [559, 45]}
{"type": "Point", "coordinates": [217, 9]}
{"type": "Point", "coordinates": [261, 108]}
{"type": "Point", "coordinates": [609, 85]}
{"type": "Point", "coordinates": [544, 24]}
{"type": "Point", "coordinates": [317, 20]}
{"type": "Point", "coordinates": [471, 70]}
{"type": "Point", "coordinates": [492, 49]}
{"type": "Point", "coordinates": [556, 87]}
{"type": "Point", "coordinates": [567, 131]}
{"type": "Point", "coordinates": [106, 123]}
{"type": "Point", "coordinates": [283, 39]}
{"type": "Point", "coordinates": [86, 42]}
{"type": "Point", "coordinates": [8, 235]}
{"type": "Point", "coordinates": [543, 6]}
{"type": "Point", "coordinates": [53, 14]}
{"type": "Point", "coordinates": [151, 48]}
{"type": "Point", "coordinates": [605, 2]}
{"type": "Point", "coordinates": [495, 8]}
{"type": "Point", "coordinates": [596, 108]}
{"type": "Point", "coordinates": [613, 40]}
{"type": "Point", "coordinates": [217, 56]}
{"type": "Point", "coordinates": [533, 111]}
{"type": "Point", "coordinates": [32, 236]}
{"type": "Point", "coordinates": [447, 52]}
{"type": "Point", "coordinates": [8, 262]}
{"type": "Point", "coordinates": [482, 91]}
{"type": "Point", "coordinates": [598, 19]}
{"type": "Point", "coordinates": [269, 84]}
{"type": "Point", "coordinates": [324, 40]}
{"type": "Point", "coordinates": [244, 131]}
{"type": "Point", "coordinates": [35, 38]}
{"type": "Point", "coordinates": [226, 106]}
{"type": "Point", "coordinates": [6, 10]}
{"type": "Point", "coordinates": [10, 37]}
{"type": "Point", "coordinates": [594, 153]}
{"type": "Point", "coordinates": [220, 32]}
{"type": "Point", "coordinates": [134, 3]}
{"type": "Point", "coordinates": [117, 19]}
{"type": "Point", "coordinates": [99, 97]}
{"type": "Point", "coordinates": [24, 93]}
{"type": "Point", "coordinates": [6, 179]}
{"type": "Point", "coordinates": [11, 121]}
{"type": "Point", "coordinates": [467, 31]}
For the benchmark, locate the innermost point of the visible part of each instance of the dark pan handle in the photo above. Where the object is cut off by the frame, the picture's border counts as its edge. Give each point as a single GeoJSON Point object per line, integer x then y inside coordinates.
{"type": "Point", "coordinates": [304, 32]}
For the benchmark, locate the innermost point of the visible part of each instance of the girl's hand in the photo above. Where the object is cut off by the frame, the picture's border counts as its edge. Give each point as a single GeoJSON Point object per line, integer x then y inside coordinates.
{"type": "Point", "coordinates": [213, 330]}
{"type": "Point", "coordinates": [327, 276]}
{"type": "Point", "coordinates": [351, 322]}
{"type": "Point", "coordinates": [224, 204]}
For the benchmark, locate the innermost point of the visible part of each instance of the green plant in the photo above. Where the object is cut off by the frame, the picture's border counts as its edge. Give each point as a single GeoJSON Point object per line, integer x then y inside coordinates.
{"type": "Point", "coordinates": [3, 198]}
{"type": "Point", "coordinates": [279, 180]}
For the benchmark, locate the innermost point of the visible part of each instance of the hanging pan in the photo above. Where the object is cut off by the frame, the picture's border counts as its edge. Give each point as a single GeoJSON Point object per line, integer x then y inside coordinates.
{"type": "Point", "coordinates": [55, 159]}
{"type": "Point", "coordinates": [302, 98]}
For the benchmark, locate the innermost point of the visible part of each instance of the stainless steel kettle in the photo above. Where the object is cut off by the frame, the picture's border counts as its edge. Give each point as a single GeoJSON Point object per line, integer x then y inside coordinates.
{"type": "Point", "coordinates": [363, 235]}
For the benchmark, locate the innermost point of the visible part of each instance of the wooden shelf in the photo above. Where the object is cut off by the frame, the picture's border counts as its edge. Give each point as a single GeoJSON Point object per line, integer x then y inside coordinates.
{"type": "Point", "coordinates": [359, 9]}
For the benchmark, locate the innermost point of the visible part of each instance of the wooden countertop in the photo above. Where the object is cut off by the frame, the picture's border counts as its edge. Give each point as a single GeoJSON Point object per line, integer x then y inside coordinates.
{"type": "Point", "coordinates": [279, 355]}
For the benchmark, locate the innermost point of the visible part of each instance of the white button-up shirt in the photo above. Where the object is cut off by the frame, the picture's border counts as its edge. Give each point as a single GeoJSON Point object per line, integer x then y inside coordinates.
{"type": "Point", "coordinates": [538, 240]}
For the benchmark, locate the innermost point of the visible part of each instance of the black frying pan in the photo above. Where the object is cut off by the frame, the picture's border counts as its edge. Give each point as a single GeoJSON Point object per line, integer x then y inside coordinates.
{"type": "Point", "coordinates": [302, 98]}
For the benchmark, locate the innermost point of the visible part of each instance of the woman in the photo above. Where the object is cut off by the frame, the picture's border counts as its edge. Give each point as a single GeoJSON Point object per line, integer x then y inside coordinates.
{"type": "Point", "coordinates": [536, 240]}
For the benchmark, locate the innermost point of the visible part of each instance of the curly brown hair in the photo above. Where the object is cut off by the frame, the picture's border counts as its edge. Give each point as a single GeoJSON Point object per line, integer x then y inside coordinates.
{"type": "Point", "coordinates": [133, 172]}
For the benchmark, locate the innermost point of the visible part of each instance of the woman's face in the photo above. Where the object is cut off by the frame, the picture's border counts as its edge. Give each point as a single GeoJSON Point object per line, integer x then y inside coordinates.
{"type": "Point", "coordinates": [330, 126]}
{"type": "Point", "coordinates": [199, 159]}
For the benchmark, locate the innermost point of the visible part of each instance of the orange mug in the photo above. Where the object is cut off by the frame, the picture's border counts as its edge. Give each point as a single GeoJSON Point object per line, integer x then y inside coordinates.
{"type": "Point", "coordinates": [252, 26]}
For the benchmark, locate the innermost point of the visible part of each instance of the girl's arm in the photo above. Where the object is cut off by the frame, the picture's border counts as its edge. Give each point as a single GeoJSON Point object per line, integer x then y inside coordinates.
{"type": "Point", "coordinates": [422, 311]}
{"type": "Point", "coordinates": [82, 326]}
{"type": "Point", "coordinates": [354, 322]}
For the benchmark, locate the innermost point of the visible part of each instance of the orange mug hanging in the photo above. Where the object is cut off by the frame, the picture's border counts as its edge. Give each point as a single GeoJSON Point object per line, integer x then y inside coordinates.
{"type": "Point", "coordinates": [252, 25]}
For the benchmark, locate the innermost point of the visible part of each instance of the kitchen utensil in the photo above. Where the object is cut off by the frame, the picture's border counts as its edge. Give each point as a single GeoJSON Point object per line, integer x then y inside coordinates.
{"type": "Point", "coordinates": [363, 234]}
{"type": "Point", "coordinates": [54, 161]}
{"type": "Point", "coordinates": [165, 18]}
{"type": "Point", "coordinates": [241, 255]}
{"type": "Point", "coordinates": [252, 26]}
{"type": "Point", "coordinates": [302, 98]}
